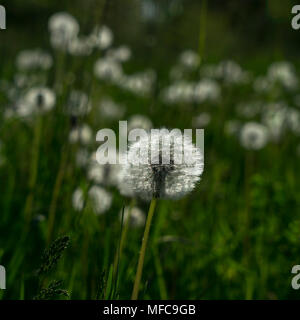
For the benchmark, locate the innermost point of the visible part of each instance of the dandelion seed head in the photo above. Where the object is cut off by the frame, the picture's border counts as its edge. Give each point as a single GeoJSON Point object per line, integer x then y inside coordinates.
{"type": "Point", "coordinates": [36, 100]}
{"type": "Point", "coordinates": [77, 199]}
{"type": "Point", "coordinates": [202, 120]}
{"type": "Point", "coordinates": [102, 37]}
{"type": "Point", "coordinates": [148, 175]}
{"type": "Point", "coordinates": [78, 104]}
{"type": "Point", "coordinates": [82, 134]}
{"type": "Point", "coordinates": [108, 69]}
{"type": "Point", "coordinates": [205, 90]}
{"type": "Point", "coordinates": [82, 158]}
{"type": "Point", "coordinates": [101, 199]}
{"type": "Point", "coordinates": [190, 59]}
{"type": "Point", "coordinates": [111, 110]}
{"type": "Point", "coordinates": [253, 136]}
{"type": "Point", "coordinates": [137, 216]}
{"type": "Point", "coordinates": [34, 59]}
{"type": "Point", "coordinates": [139, 121]}
{"type": "Point", "coordinates": [121, 54]}
{"type": "Point", "coordinates": [63, 28]}
{"type": "Point", "coordinates": [283, 72]}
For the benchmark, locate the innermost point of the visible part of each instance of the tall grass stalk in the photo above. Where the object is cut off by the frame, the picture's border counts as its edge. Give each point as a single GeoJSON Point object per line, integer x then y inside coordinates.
{"type": "Point", "coordinates": [55, 195]}
{"type": "Point", "coordinates": [139, 271]}
{"type": "Point", "coordinates": [124, 233]}
{"type": "Point", "coordinates": [33, 170]}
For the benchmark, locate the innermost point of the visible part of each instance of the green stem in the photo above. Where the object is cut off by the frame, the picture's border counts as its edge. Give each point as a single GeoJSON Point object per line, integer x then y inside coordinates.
{"type": "Point", "coordinates": [124, 233]}
{"type": "Point", "coordinates": [139, 271]}
{"type": "Point", "coordinates": [55, 195]}
{"type": "Point", "coordinates": [33, 170]}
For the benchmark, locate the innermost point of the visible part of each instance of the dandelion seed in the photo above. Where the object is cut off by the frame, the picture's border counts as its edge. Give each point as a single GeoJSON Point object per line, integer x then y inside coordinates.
{"type": "Point", "coordinates": [159, 180]}
{"type": "Point", "coordinates": [98, 199]}
{"type": "Point", "coordinates": [139, 121]}
{"type": "Point", "coordinates": [206, 90]}
{"type": "Point", "coordinates": [232, 127]}
{"type": "Point", "coordinates": [275, 118]}
{"type": "Point", "coordinates": [232, 73]}
{"type": "Point", "coordinates": [82, 158]}
{"type": "Point", "coordinates": [101, 37]}
{"type": "Point", "coordinates": [106, 174]}
{"type": "Point", "coordinates": [36, 100]}
{"type": "Point", "coordinates": [79, 47]}
{"type": "Point", "coordinates": [179, 92]}
{"type": "Point", "coordinates": [34, 59]}
{"type": "Point", "coordinates": [110, 109]}
{"type": "Point", "coordinates": [137, 216]}
{"type": "Point", "coordinates": [254, 136]}
{"type": "Point", "coordinates": [108, 69]}
{"type": "Point", "coordinates": [140, 83]}
{"type": "Point", "coordinates": [101, 199]}
{"type": "Point", "coordinates": [63, 28]}
{"type": "Point", "coordinates": [78, 103]}
{"type": "Point", "coordinates": [82, 134]}
{"type": "Point", "coordinates": [202, 120]}
{"type": "Point", "coordinates": [190, 59]}
{"type": "Point", "coordinates": [121, 54]}
{"type": "Point", "coordinates": [283, 73]}
{"type": "Point", "coordinates": [249, 109]}
{"type": "Point", "coordinates": [78, 199]}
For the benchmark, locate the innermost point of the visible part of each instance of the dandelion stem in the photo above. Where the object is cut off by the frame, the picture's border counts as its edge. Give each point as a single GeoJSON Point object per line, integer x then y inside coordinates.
{"type": "Point", "coordinates": [139, 271]}
{"type": "Point", "coordinates": [124, 233]}
{"type": "Point", "coordinates": [33, 170]}
{"type": "Point", "coordinates": [55, 195]}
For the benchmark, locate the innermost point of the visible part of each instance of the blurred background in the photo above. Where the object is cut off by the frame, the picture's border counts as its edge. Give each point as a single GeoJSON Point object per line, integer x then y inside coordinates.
{"type": "Point", "coordinates": [71, 68]}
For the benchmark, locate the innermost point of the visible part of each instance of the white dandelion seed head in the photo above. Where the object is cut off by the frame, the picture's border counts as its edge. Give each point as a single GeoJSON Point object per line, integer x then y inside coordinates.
{"type": "Point", "coordinates": [101, 37]}
{"type": "Point", "coordinates": [78, 199]}
{"type": "Point", "coordinates": [111, 110]}
{"type": "Point", "coordinates": [232, 73]}
{"type": "Point", "coordinates": [80, 47]}
{"type": "Point", "coordinates": [39, 99]}
{"type": "Point", "coordinates": [78, 104]}
{"type": "Point", "coordinates": [190, 59]}
{"type": "Point", "coordinates": [139, 121]}
{"type": "Point", "coordinates": [34, 59]}
{"type": "Point", "coordinates": [63, 28]}
{"type": "Point", "coordinates": [136, 215]}
{"type": "Point", "coordinates": [108, 69]}
{"type": "Point", "coordinates": [176, 73]}
{"type": "Point", "coordinates": [139, 83]}
{"type": "Point", "coordinates": [82, 134]}
{"type": "Point", "coordinates": [283, 72]}
{"type": "Point", "coordinates": [121, 54]}
{"type": "Point", "coordinates": [105, 174]}
{"type": "Point", "coordinates": [82, 158]}
{"type": "Point", "coordinates": [275, 118]}
{"type": "Point", "coordinates": [149, 173]}
{"type": "Point", "coordinates": [249, 109]}
{"type": "Point", "coordinates": [293, 120]}
{"type": "Point", "coordinates": [179, 92]}
{"type": "Point", "coordinates": [207, 90]}
{"type": "Point", "coordinates": [253, 136]}
{"type": "Point", "coordinates": [101, 199]}
{"type": "Point", "coordinates": [262, 84]}
{"type": "Point", "coordinates": [202, 120]}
